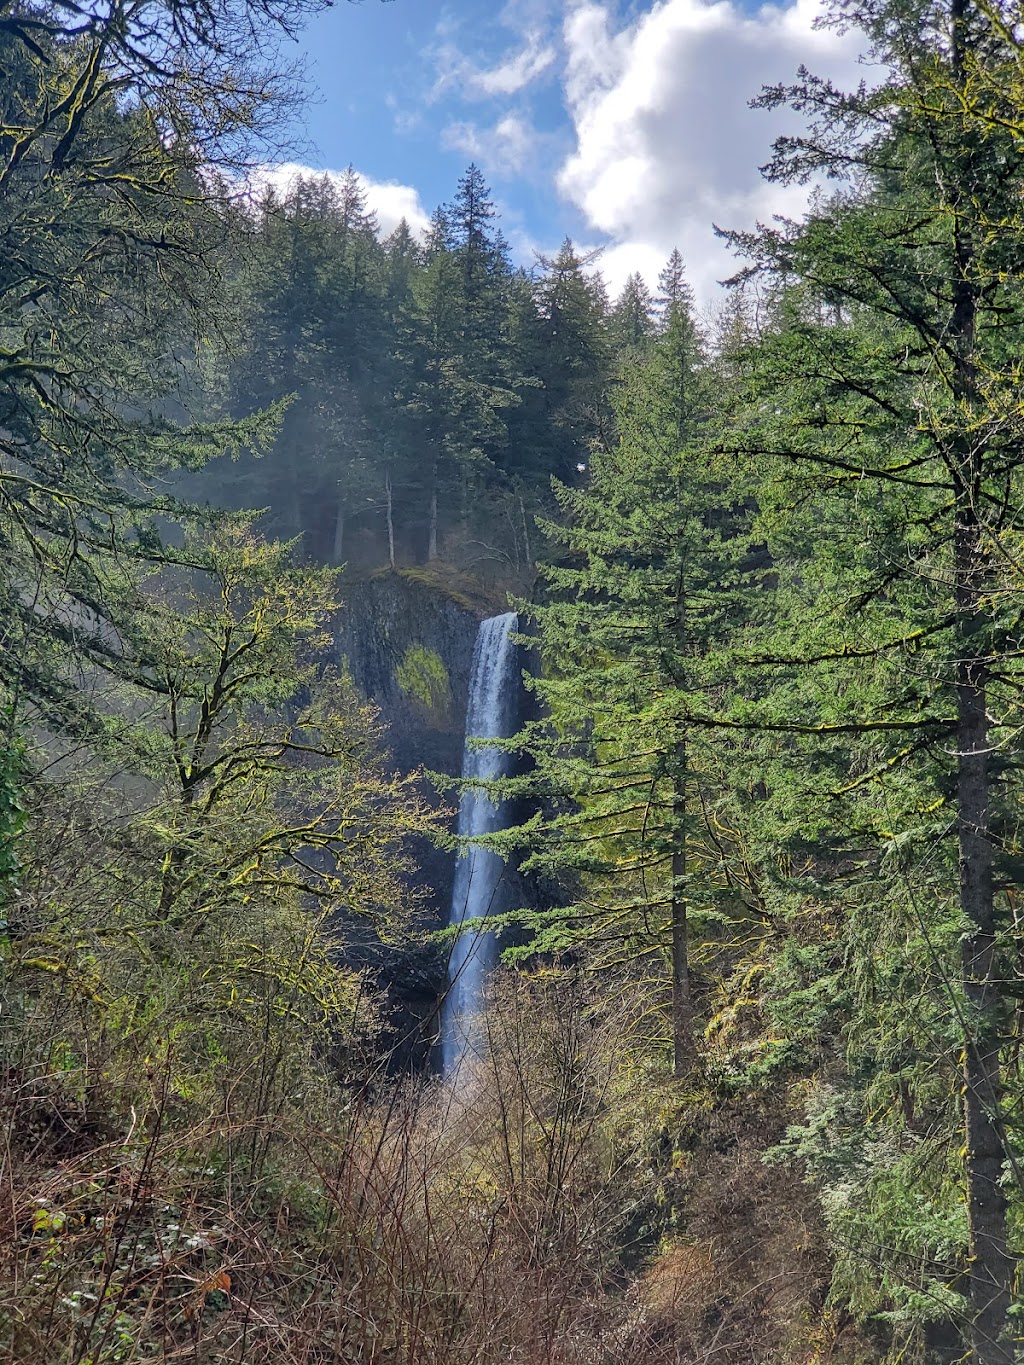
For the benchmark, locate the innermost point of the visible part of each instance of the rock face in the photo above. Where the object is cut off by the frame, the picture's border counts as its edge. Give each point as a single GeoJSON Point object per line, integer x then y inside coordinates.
{"type": "Point", "coordinates": [407, 637]}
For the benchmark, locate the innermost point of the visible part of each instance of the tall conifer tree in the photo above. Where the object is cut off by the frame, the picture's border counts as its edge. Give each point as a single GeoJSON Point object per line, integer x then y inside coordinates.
{"type": "Point", "coordinates": [636, 603]}
{"type": "Point", "coordinates": [891, 384]}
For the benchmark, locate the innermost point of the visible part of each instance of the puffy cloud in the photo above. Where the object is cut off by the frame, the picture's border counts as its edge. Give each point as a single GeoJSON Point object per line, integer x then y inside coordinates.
{"type": "Point", "coordinates": [388, 199]}
{"type": "Point", "coordinates": [665, 142]}
{"type": "Point", "coordinates": [616, 263]}
{"type": "Point", "coordinates": [392, 202]}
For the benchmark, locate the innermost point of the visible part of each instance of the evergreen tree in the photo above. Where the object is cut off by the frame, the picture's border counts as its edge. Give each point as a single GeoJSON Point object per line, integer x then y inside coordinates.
{"type": "Point", "coordinates": [104, 299]}
{"type": "Point", "coordinates": [631, 321]}
{"type": "Point", "coordinates": [484, 344]}
{"type": "Point", "coordinates": [569, 357]}
{"type": "Point", "coordinates": [439, 237]}
{"type": "Point", "coordinates": [457, 378]}
{"type": "Point", "coordinates": [402, 256]}
{"type": "Point", "coordinates": [427, 391]}
{"type": "Point", "coordinates": [885, 404]}
{"type": "Point", "coordinates": [674, 289]}
{"type": "Point", "coordinates": [317, 335]}
{"type": "Point", "coordinates": [633, 612]}
{"type": "Point", "coordinates": [482, 255]}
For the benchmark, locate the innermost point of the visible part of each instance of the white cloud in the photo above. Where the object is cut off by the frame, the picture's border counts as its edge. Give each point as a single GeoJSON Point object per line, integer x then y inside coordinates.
{"type": "Point", "coordinates": [388, 199]}
{"type": "Point", "coordinates": [504, 149]}
{"type": "Point", "coordinates": [510, 75]}
{"type": "Point", "coordinates": [616, 263]}
{"type": "Point", "coordinates": [665, 142]}
{"type": "Point", "coordinates": [392, 202]}
{"type": "Point", "coordinates": [518, 70]}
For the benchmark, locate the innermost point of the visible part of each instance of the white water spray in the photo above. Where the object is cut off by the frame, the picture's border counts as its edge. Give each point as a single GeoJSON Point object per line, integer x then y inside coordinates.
{"type": "Point", "coordinates": [478, 890]}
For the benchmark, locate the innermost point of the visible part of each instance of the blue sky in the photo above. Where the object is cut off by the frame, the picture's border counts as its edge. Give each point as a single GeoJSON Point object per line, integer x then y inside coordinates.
{"type": "Point", "coordinates": [621, 124]}
{"type": "Point", "coordinates": [393, 99]}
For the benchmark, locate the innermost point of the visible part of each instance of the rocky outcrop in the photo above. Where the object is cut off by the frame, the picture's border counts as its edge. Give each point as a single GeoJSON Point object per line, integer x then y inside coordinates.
{"type": "Point", "coordinates": [407, 638]}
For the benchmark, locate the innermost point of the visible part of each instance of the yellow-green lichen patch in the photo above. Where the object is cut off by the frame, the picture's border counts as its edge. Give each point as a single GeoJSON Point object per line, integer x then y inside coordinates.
{"type": "Point", "coordinates": [423, 676]}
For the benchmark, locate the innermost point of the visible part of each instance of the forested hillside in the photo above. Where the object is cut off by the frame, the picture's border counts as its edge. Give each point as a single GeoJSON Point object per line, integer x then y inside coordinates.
{"type": "Point", "coordinates": [748, 1085]}
{"type": "Point", "coordinates": [435, 389]}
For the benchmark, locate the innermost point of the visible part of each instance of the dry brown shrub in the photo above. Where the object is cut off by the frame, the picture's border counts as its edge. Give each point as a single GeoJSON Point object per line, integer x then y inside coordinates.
{"type": "Point", "coordinates": [414, 1224]}
{"type": "Point", "coordinates": [677, 1288]}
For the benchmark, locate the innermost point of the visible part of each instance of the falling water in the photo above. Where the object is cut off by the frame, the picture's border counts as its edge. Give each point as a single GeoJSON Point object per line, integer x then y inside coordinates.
{"type": "Point", "coordinates": [478, 890]}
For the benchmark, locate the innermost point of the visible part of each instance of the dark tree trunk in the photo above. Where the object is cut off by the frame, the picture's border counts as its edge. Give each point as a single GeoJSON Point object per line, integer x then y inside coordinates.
{"type": "Point", "coordinates": [432, 535]}
{"type": "Point", "coordinates": [338, 549]}
{"type": "Point", "coordinates": [682, 999]}
{"type": "Point", "coordinates": [991, 1267]}
{"type": "Point", "coordinates": [527, 555]}
{"type": "Point", "coordinates": [943, 1343]}
{"type": "Point", "coordinates": [390, 519]}
{"type": "Point", "coordinates": [432, 513]}
{"type": "Point", "coordinates": [682, 1003]}
{"type": "Point", "coordinates": [990, 1270]}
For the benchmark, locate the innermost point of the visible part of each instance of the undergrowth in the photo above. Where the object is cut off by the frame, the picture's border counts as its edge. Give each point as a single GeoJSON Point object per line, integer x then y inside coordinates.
{"type": "Point", "coordinates": [559, 1204]}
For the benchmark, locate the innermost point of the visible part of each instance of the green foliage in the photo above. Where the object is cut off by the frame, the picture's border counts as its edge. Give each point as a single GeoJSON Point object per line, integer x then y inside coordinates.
{"type": "Point", "coordinates": [197, 922]}
{"type": "Point", "coordinates": [422, 674]}
{"type": "Point", "coordinates": [13, 818]}
{"type": "Point", "coordinates": [774, 756]}
{"type": "Point", "coordinates": [877, 408]}
{"type": "Point", "coordinates": [643, 595]}
{"type": "Point", "coordinates": [436, 389]}
{"type": "Point", "coordinates": [106, 295]}
{"type": "Point", "coordinates": [878, 1188]}
{"type": "Point", "coordinates": [782, 670]}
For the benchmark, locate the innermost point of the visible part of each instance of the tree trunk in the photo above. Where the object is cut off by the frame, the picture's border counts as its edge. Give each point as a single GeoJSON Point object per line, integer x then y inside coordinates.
{"type": "Point", "coordinates": [390, 518]}
{"type": "Point", "coordinates": [526, 533]}
{"type": "Point", "coordinates": [338, 548]}
{"type": "Point", "coordinates": [682, 1000]}
{"type": "Point", "coordinates": [991, 1268]}
{"type": "Point", "coordinates": [682, 1003]}
{"type": "Point", "coordinates": [943, 1343]}
{"type": "Point", "coordinates": [432, 536]}
{"type": "Point", "coordinates": [990, 1271]}
{"type": "Point", "coordinates": [174, 859]}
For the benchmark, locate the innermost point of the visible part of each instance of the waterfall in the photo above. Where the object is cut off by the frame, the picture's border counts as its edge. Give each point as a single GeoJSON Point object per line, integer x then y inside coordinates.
{"type": "Point", "coordinates": [479, 889]}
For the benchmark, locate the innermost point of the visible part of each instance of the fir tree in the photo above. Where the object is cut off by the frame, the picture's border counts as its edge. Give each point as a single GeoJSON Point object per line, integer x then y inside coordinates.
{"type": "Point", "coordinates": [885, 402]}
{"type": "Point", "coordinates": [631, 321]}
{"type": "Point", "coordinates": [104, 299]}
{"type": "Point", "coordinates": [570, 357]}
{"type": "Point", "coordinates": [638, 601]}
{"type": "Point", "coordinates": [674, 289]}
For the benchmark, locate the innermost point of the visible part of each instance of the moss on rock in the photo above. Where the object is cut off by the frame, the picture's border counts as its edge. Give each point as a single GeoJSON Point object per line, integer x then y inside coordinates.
{"type": "Point", "coordinates": [421, 674]}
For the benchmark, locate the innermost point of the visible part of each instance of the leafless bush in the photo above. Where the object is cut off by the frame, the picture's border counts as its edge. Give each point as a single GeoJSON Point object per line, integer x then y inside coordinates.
{"type": "Point", "coordinates": [512, 1219]}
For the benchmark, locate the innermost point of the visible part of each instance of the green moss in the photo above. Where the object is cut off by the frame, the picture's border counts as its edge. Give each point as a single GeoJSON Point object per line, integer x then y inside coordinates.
{"type": "Point", "coordinates": [422, 675]}
{"type": "Point", "coordinates": [463, 591]}
{"type": "Point", "coordinates": [445, 580]}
